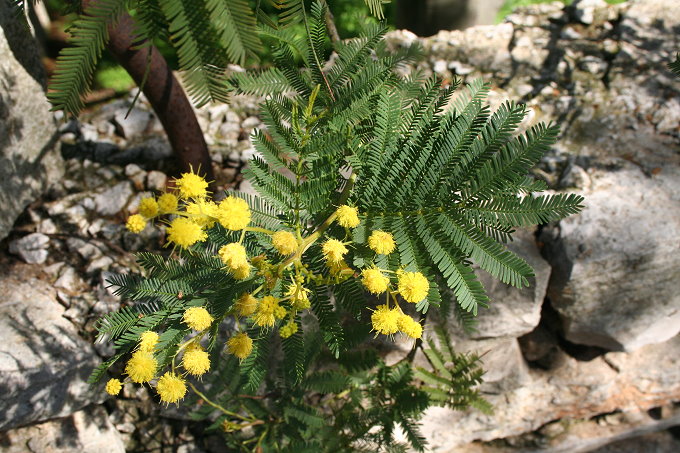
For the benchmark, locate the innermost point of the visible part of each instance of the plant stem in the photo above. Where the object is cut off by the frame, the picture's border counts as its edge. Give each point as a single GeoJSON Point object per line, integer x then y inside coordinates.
{"type": "Point", "coordinates": [217, 406]}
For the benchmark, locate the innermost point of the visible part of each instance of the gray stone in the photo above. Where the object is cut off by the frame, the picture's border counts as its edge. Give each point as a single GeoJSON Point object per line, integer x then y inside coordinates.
{"type": "Point", "coordinates": [514, 312]}
{"type": "Point", "coordinates": [617, 381]}
{"type": "Point", "coordinates": [251, 123]}
{"type": "Point", "coordinates": [132, 124]}
{"type": "Point", "coordinates": [113, 200]}
{"type": "Point", "coordinates": [88, 430]}
{"type": "Point", "coordinates": [156, 180]}
{"type": "Point", "coordinates": [86, 250]}
{"type": "Point", "coordinates": [615, 281]}
{"type": "Point", "coordinates": [32, 248]}
{"type": "Point", "coordinates": [28, 133]}
{"type": "Point", "coordinates": [44, 364]}
{"type": "Point", "coordinates": [69, 280]}
{"type": "Point", "coordinates": [155, 149]}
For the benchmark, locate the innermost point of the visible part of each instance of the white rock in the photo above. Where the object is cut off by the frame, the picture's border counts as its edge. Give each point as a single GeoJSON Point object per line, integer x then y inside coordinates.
{"type": "Point", "coordinates": [615, 266]}
{"type": "Point", "coordinates": [44, 363]}
{"type": "Point", "coordinates": [28, 161]}
{"type": "Point", "coordinates": [86, 431]}
{"type": "Point", "coordinates": [31, 248]}
{"type": "Point", "coordinates": [114, 199]}
{"type": "Point", "coordinates": [156, 180]}
{"type": "Point", "coordinates": [133, 124]}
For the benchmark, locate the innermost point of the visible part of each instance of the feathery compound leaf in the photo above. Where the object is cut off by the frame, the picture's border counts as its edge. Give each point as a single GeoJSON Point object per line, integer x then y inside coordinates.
{"type": "Point", "coordinates": [376, 7]}
{"type": "Point", "coordinates": [76, 63]}
{"type": "Point", "coordinates": [674, 66]}
{"type": "Point", "coordinates": [239, 33]}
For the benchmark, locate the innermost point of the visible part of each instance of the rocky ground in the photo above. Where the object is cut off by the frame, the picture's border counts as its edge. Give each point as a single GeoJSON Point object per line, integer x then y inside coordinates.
{"type": "Point", "coordinates": [584, 360]}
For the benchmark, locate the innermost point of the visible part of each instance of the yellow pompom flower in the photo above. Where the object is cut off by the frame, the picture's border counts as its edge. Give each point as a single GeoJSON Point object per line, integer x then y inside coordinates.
{"type": "Point", "coordinates": [233, 255]}
{"type": "Point", "coordinates": [348, 216]}
{"type": "Point", "coordinates": [233, 213]}
{"type": "Point", "coordinates": [381, 242]}
{"type": "Point", "coordinates": [385, 320]}
{"type": "Point", "coordinates": [284, 242]}
{"type": "Point", "coordinates": [113, 387]}
{"type": "Point", "coordinates": [191, 185]}
{"type": "Point", "coordinates": [148, 207]}
{"type": "Point", "coordinates": [339, 268]}
{"type": "Point", "coordinates": [267, 309]}
{"type": "Point", "coordinates": [202, 212]}
{"type": "Point", "coordinates": [167, 203]}
{"type": "Point", "coordinates": [246, 304]}
{"type": "Point", "coordinates": [148, 341]}
{"type": "Point", "coordinates": [299, 296]}
{"type": "Point", "coordinates": [171, 387]}
{"type": "Point", "coordinates": [135, 223]}
{"type": "Point", "coordinates": [413, 286]}
{"type": "Point", "coordinates": [410, 326]}
{"type": "Point", "coordinates": [240, 345]}
{"type": "Point", "coordinates": [197, 318]}
{"type": "Point", "coordinates": [141, 367]}
{"type": "Point", "coordinates": [374, 281]}
{"type": "Point", "coordinates": [185, 232]}
{"type": "Point", "coordinates": [242, 272]}
{"type": "Point", "coordinates": [288, 330]}
{"type": "Point", "coordinates": [333, 250]}
{"type": "Point", "coordinates": [195, 360]}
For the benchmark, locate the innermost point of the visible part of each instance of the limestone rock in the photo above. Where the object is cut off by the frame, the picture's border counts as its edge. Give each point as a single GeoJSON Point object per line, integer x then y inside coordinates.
{"type": "Point", "coordinates": [615, 279]}
{"type": "Point", "coordinates": [113, 200]}
{"type": "Point", "coordinates": [44, 364]}
{"type": "Point", "coordinates": [28, 161]}
{"type": "Point", "coordinates": [31, 248]}
{"type": "Point", "coordinates": [637, 381]}
{"type": "Point", "coordinates": [88, 430]}
{"type": "Point", "coordinates": [513, 312]}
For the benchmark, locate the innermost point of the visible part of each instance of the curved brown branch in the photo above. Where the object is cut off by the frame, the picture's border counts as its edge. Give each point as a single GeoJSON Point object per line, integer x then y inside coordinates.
{"type": "Point", "coordinates": [164, 93]}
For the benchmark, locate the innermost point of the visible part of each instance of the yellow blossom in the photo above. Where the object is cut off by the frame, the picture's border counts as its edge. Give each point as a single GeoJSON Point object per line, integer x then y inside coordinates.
{"type": "Point", "coordinates": [185, 232]}
{"type": "Point", "coordinates": [339, 268]}
{"type": "Point", "coordinates": [197, 318]}
{"type": "Point", "coordinates": [348, 216]}
{"type": "Point", "coordinates": [191, 185]}
{"type": "Point", "coordinates": [167, 203]}
{"type": "Point", "coordinates": [241, 272]}
{"type": "Point", "coordinates": [113, 387]}
{"type": "Point", "coordinates": [374, 281]}
{"type": "Point", "coordinates": [135, 223]}
{"type": "Point", "coordinates": [233, 213]}
{"type": "Point", "coordinates": [413, 286]}
{"type": "Point", "coordinates": [196, 361]}
{"type": "Point", "coordinates": [410, 326]}
{"type": "Point", "coordinates": [246, 304]}
{"type": "Point", "coordinates": [267, 311]}
{"type": "Point", "coordinates": [299, 296]}
{"type": "Point", "coordinates": [141, 367]}
{"type": "Point", "coordinates": [148, 207]}
{"type": "Point", "coordinates": [171, 387]}
{"type": "Point", "coordinates": [240, 345]}
{"type": "Point", "coordinates": [333, 250]}
{"type": "Point", "coordinates": [288, 330]}
{"type": "Point", "coordinates": [385, 320]}
{"type": "Point", "coordinates": [233, 255]}
{"type": "Point", "coordinates": [284, 242]}
{"type": "Point", "coordinates": [148, 341]}
{"type": "Point", "coordinates": [381, 242]}
{"type": "Point", "coordinates": [202, 212]}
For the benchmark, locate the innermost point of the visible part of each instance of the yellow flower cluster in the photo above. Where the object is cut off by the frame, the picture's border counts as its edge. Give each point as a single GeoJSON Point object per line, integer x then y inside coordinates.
{"type": "Point", "coordinates": [246, 304]}
{"type": "Point", "coordinates": [284, 242]}
{"type": "Point", "coordinates": [381, 242]}
{"type": "Point", "coordinates": [333, 250]}
{"type": "Point", "coordinates": [413, 286]}
{"type": "Point", "coordinates": [374, 280]}
{"type": "Point", "coordinates": [268, 311]}
{"type": "Point", "coordinates": [171, 387]}
{"type": "Point", "coordinates": [299, 295]}
{"type": "Point", "coordinates": [113, 387]}
{"type": "Point", "coordinates": [388, 321]}
{"type": "Point", "coordinates": [348, 216]}
{"type": "Point", "coordinates": [141, 367]}
{"type": "Point", "coordinates": [196, 214]}
{"type": "Point", "coordinates": [288, 330]}
{"type": "Point", "coordinates": [148, 341]}
{"type": "Point", "coordinates": [197, 318]}
{"type": "Point", "coordinates": [196, 360]}
{"type": "Point", "coordinates": [240, 345]}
